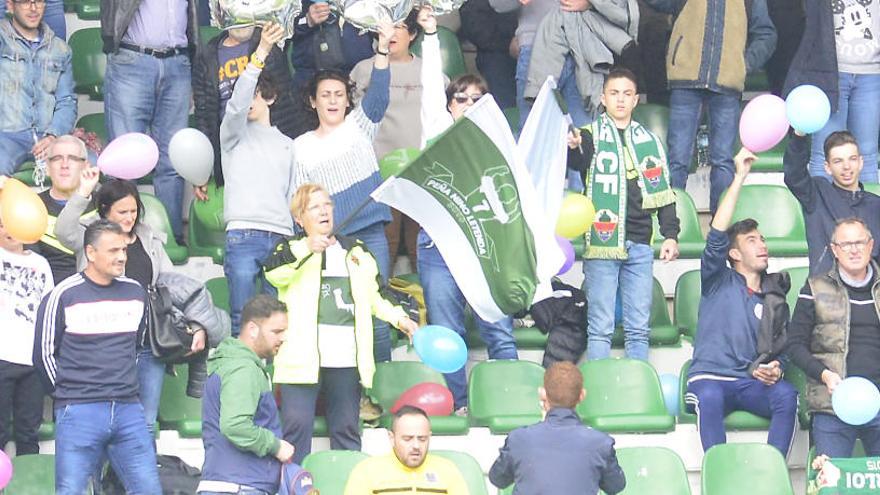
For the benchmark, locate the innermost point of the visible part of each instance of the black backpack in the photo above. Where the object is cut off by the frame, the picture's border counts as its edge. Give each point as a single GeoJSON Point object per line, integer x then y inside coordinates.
{"type": "Point", "coordinates": [176, 476]}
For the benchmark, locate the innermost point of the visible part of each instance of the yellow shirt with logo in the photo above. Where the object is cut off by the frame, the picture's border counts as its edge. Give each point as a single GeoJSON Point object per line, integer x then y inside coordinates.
{"type": "Point", "coordinates": [388, 476]}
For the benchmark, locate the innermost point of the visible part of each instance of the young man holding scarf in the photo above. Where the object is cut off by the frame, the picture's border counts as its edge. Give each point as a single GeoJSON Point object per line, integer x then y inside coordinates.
{"type": "Point", "coordinates": [627, 179]}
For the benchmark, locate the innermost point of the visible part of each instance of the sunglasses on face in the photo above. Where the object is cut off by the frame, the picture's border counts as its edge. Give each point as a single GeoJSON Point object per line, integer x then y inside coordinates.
{"type": "Point", "coordinates": [462, 98]}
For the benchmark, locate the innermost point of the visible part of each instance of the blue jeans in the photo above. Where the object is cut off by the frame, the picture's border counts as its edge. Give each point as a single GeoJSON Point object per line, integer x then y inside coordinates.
{"type": "Point", "coordinates": [445, 304]}
{"type": "Point", "coordinates": [712, 400]}
{"type": "Point", "coordinates": [246, 249]}
{"type": "Point", "coordinates": [151, 375]}
{"type": "Point", "coordinates": [15, 149]}
{"type": "Point", "coordinates": [84, 432]}
{"type": "Point", "coordinates": [684, 117]}
{"type": "Point", "coordinates": [858, 112]}
{"type": "Point", "coordinates": [566, 83]}
{"type": "Point", "coordinates": [341, 390]}
{"type": "Point", "coordinates": [53, 16]}
{"type": "Point", "coordinates": [633, 276]}
{"type": "Point", "coordinates": [376, 242]}
{"type": "Point", "coordinates": [145, 94]}
{"type": "Point", "coordinates": [835, 438]}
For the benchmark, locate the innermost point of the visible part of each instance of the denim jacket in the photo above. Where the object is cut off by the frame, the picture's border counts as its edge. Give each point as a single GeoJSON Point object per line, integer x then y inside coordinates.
{"type": "Point", "coordinates": [36, 85]}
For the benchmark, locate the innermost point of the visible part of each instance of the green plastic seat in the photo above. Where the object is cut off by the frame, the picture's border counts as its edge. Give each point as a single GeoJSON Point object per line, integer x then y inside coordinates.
{"type": "Point", "coordinates": [655, 117]}
{"type": "Point", "coordinates": [654, 470]}
{"type": "Point", "coordinates": [779, 218]}
{"type": "Point", "coordinates": [89, 10]}
{"type": "Point", "coordinates": [726, 467]}
{"type": "Point", "coordinates": [690, 240]}
{"type": "Point", "coordinates": [798, 279]}
{"type": "Point", "coordinates": [503, 394]}
{"type": "Point", "coordinates": [178, 411]}
{"type": "Point", "coordinates": [330, 469]}
{"type": "Point", "coordinates": [686, 304]}
{"type": "Point", "coordinates": [207, 33]}
{"type": "Point", "coordinates": [393, 378]}
{"type": "Point", "coordinates": [530, 338]}
{"type": "Point", "coordinates": [872, 187]}
{"type": "Point", "coordinates": [46, 431]}
{"type": "Point", "coordinates": [798, 378]}
{"type": "Point", "coordinates": [623, 395]}
{"type": "Point", "coordinates": [737, 420]}
{"type": "Point", "coordinates": [219, 289]}
{"type": "Point", "coordinates": [663, 332]}
{"type": "Point", "coordinates": [89, 60]}
{"type": "Point", "coordinates": [757, 81]}
{"type": "Point", "coordinates": [157, 218]}
{"type": "Point", "coordinates": [450, 52]}
{"type": "Point", "coordinates": [207, 228]}
{"type": "Point", "coordinates": [771, 160]}
{"type": "Point", "coordinates": [469, 468]}
{"type": "Point", "coordinates": [506, 491]}
{"type": "Point", "coordinates": [25, 174]}
{"type": "Point", "coordinates": [512, 116]}
{"type": "Point", "coordinates": [32, 475]}
{"type": "Point", "coordinates": [94, 122]}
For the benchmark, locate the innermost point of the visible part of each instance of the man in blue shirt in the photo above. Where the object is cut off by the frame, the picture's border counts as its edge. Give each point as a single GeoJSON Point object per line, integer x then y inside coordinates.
{"type": "Point", "coordinates": [741, 329]}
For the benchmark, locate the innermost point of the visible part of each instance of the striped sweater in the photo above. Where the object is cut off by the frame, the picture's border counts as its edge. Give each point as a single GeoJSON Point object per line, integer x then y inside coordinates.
{"type": "Point", "coordinates": [85, 339]}
{"type": "Point", "coordinates": [344, 161]}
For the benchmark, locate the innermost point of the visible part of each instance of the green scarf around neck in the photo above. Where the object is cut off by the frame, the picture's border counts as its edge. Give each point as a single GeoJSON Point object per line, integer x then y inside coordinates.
{"type": "Point", "coordinates": [606, 186]}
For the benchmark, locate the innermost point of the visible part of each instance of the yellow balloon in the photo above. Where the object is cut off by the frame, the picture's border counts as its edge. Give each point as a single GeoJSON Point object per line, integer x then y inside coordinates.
{"type": "Point", "coordinates": [575, 216]}
{"type": "Point", "coordinates": [23, 213]}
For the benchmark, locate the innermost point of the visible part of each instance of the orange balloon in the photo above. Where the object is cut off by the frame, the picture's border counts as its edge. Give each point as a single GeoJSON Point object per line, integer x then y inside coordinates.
{"type": "Point", "coordinates": [23, 213]}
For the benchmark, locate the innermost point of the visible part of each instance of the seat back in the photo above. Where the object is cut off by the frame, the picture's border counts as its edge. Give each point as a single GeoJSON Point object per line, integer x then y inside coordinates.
{"type": "Point", "coordinates": [393, 378]}
{"type": "Point", "coordinates": [94, 122]}
{"type": "Point", "coordinates": [32, 475]}
{"type": "Point", "coordinates": [156, 217]}
{"type": "Point", "coordinates": [618, 387]}
{"type": "Point", "coordinates": [504, 388]}
{"type": "Point", "coordinates": [207, 228]}
{"type": "Point", "coordinates": [779, 217]}
{"type": "Point", "coordinates": [727, 466]}
{"type": "Point", "coordinates": [798, 279]}
{"type": "Point", "coordinates": [469, 468]}
{"type": "Point", "coordinates": [655, 117]}
{"type": "Point", "coordinates": [219, 289]}
{"type": "Point", "coordinates": [178, 410]}
{"type": "Point", "coordinates": [450, 52]}
{"type": "Point", "coordinates": [686, 304]}
{"type": "Point", "coordinates": [330, 469]}
{"type": "Point", "coordinates": [89, 62]}
{"type": "Point", "coordinates": [654, 470]}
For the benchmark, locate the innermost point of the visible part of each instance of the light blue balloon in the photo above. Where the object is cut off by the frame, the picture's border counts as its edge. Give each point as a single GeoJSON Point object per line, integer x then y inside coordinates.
{"type": "Point", "coordinates": [440, 348]}
{"type": "Point", "coordinates": [669, 384]}
{"type": "Point", "coordinates": [807, 108]}
{"type": "Point", "coordinates": [856, 400]}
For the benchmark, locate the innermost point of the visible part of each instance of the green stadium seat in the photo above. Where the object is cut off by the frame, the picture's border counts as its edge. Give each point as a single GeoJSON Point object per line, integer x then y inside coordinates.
{"type": "Point", "coordinates": [872, 187]}
{"type": "Point", "coordinates": [330, 469]}
{"type": "Point", "coordinates": [530, 338]}
{"type": "Point", "coordinates": [798, 279]}
{"type": "Point", "coordinates": [178, 411]}
{"type": "Point", "coordinates": [157, 218]}
{"type": "Point", "coordinates": [663, 332]}
{"type": "Point", "coordinates": [580, 246]}
{"type": "Point", "coordinates": [46, 431]}
{"type": "Point", "coordinates": [737, 420]}
{"type": "Point", "coordinates": [503, 394]}
{"type": "Point", "coordinates": [470, 470]}
{"type": "Point", "coordinates": [623, 395]}
{"type": "Point", "coordinates": [798, 378]}
{"type": "Point", "coordinates": [727, 466]}
{"type": "Point", "coordinates": [757, 81]}
{"type": "Point", "coordinates": [654, 470]}
{"type": "Point", "coordinates": [450, 52]}
{"type": "Point", "coordinates": [219, 289]}
{"type": "Point", "coordinates": [686, 304]}
{"type": "Point", "coordinates": [32, 475]}
{"type": "Point", "coordinates": [393, 378]}
{"type": "Point", "coordinates": [94, 122]}
{"type": "Point", "coordinates": [89, 61]}
{"type": "Point", "coordinates": [771, 160]}
{"type": "Point", "coordinates": [506, 491]}
{"type": "Point", "coordinates": [690, 240]}
{"type": "Point", "coordinates": [655, 117]}
{"type": "Point", "coordinates": [89, 10]}
{"type": "Point", "coordinates": [779, 217]}
{"type": "Point", "coordinates": [207, 33]}
{"type": "Point", "coordinates": [512, 116]}
{"type": "Point", "coordinates": [207, 228]}
{"type": "Point", "coordinates": [26, 174]}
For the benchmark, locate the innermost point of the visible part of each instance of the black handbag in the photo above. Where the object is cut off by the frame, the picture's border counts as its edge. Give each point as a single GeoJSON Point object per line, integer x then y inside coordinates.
{"type": "Point", "coordinates": [170, 335]}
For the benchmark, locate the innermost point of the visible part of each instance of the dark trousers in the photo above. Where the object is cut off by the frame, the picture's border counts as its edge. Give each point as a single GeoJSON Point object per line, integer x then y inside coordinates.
{"type": "Point", "coordinates": [499, 71]}
{"type": "Point", "coordinates": [341, 390]}
{"type": "Point", "coordinates": [21, 396]}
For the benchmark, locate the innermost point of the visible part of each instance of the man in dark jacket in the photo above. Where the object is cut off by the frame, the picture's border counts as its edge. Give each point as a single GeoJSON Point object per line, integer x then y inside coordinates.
{"type": "Point", "coordinates": [532, 457]}
{"type": "Point", "coordinates": [740, 330]}
{"type": "Point", "coordinates": [241, 428]}
{"type": "Point", "coordinates": [835, 334]}
{"type": "Point", "coordinates": [714, 44]}
{"type": "Point", "coordinates": [823, 202]}
{"type": "Point", "coordinates": [493, 35]}
{"type": "Point", "coordinates": [215, 70]}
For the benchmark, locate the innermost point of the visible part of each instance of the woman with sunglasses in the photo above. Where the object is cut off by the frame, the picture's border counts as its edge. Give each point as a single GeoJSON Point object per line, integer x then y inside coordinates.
{"type": "Point", "coordinates": [443, 299]}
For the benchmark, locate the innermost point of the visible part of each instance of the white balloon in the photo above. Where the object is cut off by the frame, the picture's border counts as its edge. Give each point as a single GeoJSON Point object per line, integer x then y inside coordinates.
{"type": "Point", "coordinates": [192, 155]}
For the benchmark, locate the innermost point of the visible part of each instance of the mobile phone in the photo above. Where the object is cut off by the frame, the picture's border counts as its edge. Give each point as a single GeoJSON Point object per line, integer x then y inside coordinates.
{"type": "Point", "coordinates": [765, 366]}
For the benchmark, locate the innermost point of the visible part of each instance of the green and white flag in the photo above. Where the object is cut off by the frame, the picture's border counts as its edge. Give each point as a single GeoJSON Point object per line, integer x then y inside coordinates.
{"type": "Point", "coordinates": [472, 194]}
{"type": "Point", "coordinates": [855, 476]}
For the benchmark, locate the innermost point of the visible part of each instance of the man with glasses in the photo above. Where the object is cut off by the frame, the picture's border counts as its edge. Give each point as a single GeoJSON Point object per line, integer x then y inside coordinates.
{"type": "Point", "coordinates": [36, 75]}
{"type": "Point", "coordinates": [835, 334]}
{"type": "Point", "coordinates": [67, 159]}
{"type": "Point", "coordinates": [824, 202]}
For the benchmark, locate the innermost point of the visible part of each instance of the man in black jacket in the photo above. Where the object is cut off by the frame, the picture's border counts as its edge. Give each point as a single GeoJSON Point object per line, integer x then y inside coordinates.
{"type": "Point", "coordinates": [215, 70]}
{"type": "Point", "coordinates": [493, 35]}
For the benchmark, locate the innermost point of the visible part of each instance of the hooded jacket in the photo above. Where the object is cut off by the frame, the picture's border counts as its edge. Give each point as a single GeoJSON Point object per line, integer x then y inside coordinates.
{"type": "Point", "coordinates": [116, 16]}
{"type": "Point", "coordinates": [815, 61]}
{"type": "Point", "coordinates": [563, 316]}
{"type": "Point", "coordinates": [240, 423]}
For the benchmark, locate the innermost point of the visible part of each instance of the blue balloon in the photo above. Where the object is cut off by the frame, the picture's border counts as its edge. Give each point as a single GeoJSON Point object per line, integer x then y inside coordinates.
{"type": "Point", "coordinates": [440, 348]}
{"type": "Point", "coordinates": [856, 400]}
{"type": "Point", "coordinates": [807, 108]}
{"type": "Point", "coordinates": [669, 384]}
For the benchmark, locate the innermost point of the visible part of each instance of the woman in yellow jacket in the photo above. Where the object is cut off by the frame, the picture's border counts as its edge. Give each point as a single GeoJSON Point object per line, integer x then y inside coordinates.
{"type": "Point", "coordinates": [331, 289]}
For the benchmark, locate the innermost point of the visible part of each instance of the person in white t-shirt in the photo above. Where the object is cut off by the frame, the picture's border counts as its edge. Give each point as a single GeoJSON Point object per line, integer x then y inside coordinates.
{"type": "Point", "coordinates": [25, 277]}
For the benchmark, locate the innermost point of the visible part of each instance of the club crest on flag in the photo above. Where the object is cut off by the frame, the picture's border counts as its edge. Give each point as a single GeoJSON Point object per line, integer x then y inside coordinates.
{"type": "Point", "coordinates": [605, 224]}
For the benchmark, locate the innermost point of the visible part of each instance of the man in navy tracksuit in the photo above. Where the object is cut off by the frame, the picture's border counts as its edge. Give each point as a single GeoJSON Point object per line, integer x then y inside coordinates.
{"type": "Point", "coordinates": [741, 329]}
{"type": "Point", "coordinates": [824, 202]}
{"type": "Point", "coordinates": [84, 349]}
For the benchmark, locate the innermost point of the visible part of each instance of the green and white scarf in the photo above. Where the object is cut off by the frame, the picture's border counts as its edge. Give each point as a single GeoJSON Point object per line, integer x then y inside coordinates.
{"type": "Point", "coordinates": [607, 183]}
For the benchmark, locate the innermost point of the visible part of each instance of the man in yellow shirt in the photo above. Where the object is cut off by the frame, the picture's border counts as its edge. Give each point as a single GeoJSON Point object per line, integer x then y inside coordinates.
{"type": "Point", "coordinates": [410, 469]}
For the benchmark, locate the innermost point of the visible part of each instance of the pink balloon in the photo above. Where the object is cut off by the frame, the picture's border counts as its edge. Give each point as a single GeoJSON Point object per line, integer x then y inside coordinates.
{"type": "Point", "coordinates": [568, 251]}
{"type": "Point", "coordinates": [5, 470]}
{"type": "Point", "coordinates": [130, 156]}
{"type": "Point", "coordinates": [763, 123]}
{"type": "Point", "coordinates": [433, 398]}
